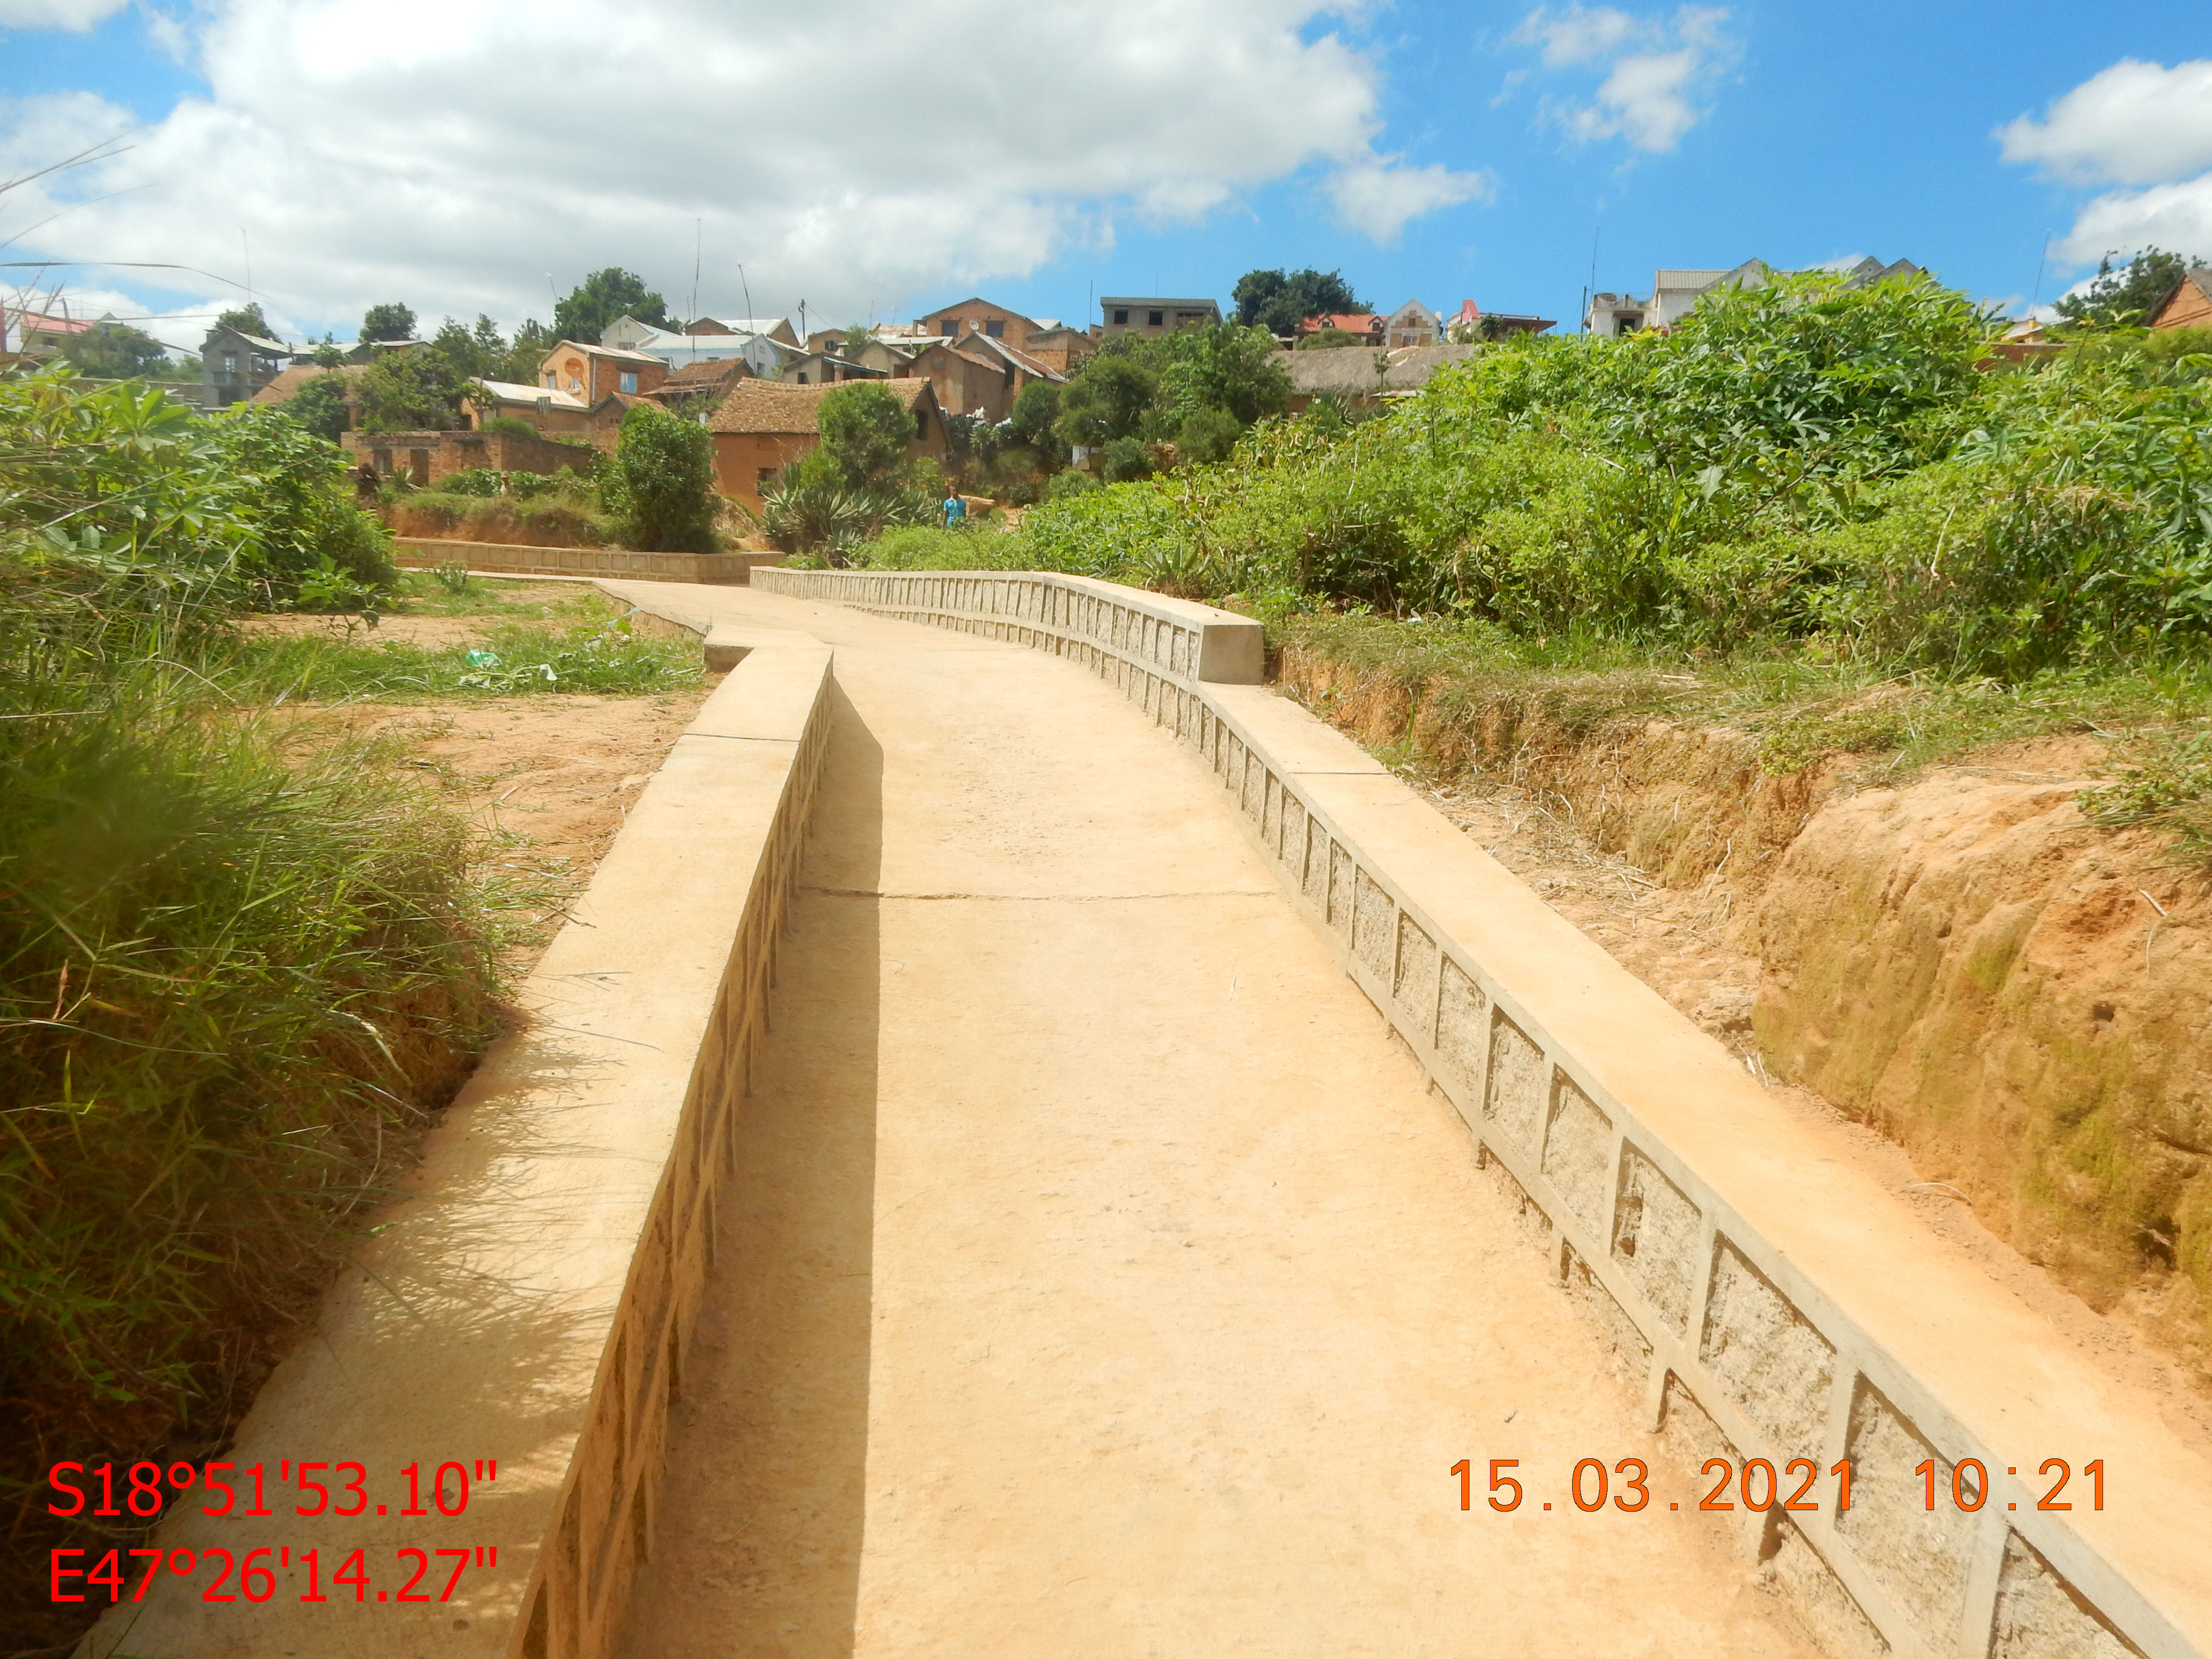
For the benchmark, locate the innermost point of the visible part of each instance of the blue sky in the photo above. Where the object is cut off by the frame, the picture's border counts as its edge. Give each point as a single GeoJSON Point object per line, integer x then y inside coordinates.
{"type": "Point", "coordinates": [354, 150]}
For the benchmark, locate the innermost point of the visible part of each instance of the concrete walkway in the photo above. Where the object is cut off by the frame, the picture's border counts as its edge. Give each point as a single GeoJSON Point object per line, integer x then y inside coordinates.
{"type": "Point", "coordinates": [1100, 1278]}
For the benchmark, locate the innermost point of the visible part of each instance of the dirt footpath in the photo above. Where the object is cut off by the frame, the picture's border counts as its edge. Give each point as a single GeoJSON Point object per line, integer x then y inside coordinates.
{"type": "Point", "coordinates": [1099, 1278]}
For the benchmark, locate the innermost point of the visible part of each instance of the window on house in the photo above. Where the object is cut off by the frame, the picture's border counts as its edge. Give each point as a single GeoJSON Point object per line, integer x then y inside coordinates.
{"type": "Point", "coordinates": [1122, 317]}
{"type": "Point", "coordinates": [802, 377]}
{"type": "Point", "coordinates": [552, 383]}
{"type": "Point", "coordinates": [574, 384]}
{"type": "Point", "coordinates": [229, 363]}
{"type": "Point", "coordinates": [418, 467]}
{"type": "Point", "coordinates": [995, 329]}
{"type": "Point", "coordinates": [763, 477]}
{"type": "Point", "coordinates": [948, 325]}
{"type": "Point", "coordinates": [629, 382]}
{"type": "Point", "coordinates": [1156, 318]}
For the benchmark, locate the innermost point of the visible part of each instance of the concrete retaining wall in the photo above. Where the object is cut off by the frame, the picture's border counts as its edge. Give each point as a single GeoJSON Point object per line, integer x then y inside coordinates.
{"type": "Point", "coordinates": [1771, 1303]}
{"type": "Point", "coordinates": [527, 1304]}
{"type": "Point", "coordinates": [615, 563]}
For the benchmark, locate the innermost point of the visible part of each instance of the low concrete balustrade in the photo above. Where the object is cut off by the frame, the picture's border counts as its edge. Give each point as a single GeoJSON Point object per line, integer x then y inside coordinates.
{"type": "Point", "coordinates": [523, 1311]}
{"type": "Point", "coordinates": [1777, 1308]}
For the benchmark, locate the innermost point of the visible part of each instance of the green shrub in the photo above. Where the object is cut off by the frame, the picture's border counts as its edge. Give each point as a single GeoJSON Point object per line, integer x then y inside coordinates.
{"type": "Point", "coordinates": [665, 473]}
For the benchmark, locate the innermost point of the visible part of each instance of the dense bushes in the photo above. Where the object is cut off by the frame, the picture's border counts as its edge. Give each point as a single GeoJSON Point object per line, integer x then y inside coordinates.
{"type": "Point", "coordinates": [1805, 464]}
{"type": "Point", "coordinates": [661, 487]}
{"type": "Point", "coordinates": [239, 962]}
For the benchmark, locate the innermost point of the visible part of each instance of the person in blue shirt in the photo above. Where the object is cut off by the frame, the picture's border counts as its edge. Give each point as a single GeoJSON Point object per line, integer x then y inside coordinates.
{"type": "Point", "coordinates": [956, 510]}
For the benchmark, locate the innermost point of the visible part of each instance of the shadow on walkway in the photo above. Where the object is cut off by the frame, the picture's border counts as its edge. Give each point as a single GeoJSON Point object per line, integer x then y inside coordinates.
{"type": "Point", "coordinates": [758, 1545]}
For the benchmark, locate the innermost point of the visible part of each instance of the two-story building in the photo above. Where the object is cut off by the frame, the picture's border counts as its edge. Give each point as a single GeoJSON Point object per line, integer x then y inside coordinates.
{"type": "Point", "coordinates": [595, 372]}
{"type": "Point", "coordinates": [234, 365]}
{"type": "Point", "coordinates": [1137, 314]}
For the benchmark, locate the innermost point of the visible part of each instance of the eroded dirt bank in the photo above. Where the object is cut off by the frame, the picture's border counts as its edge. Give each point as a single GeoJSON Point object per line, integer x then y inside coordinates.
{"type": "Point", "coordinates": [2014, 996]}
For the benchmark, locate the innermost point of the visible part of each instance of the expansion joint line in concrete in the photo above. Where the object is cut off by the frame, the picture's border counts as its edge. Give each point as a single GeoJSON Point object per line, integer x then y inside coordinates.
{"type": "Point", "coordinates": [1044, 899]}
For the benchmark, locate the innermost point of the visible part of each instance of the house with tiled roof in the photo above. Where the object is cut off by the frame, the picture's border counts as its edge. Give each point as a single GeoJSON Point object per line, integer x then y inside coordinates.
{"type": "Point", "coordinates": [2190, 305]}
{"type": "Point", "coordinates": [707, 382]}
{"type": "Point", "coordinates": [763, 426]}
{"type": "Point", "coordinates": [1368, 329]}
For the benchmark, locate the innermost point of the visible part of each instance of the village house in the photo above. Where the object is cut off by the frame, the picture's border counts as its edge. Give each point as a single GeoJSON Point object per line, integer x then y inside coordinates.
{"type": "Point", "coordinates": [1367, 329]}
{"type": "Point", "coordinates": [762, 350]}
{"type": "Point", "coordinates": [234, 365]}
{"type": "Point", "coordinates": [763, 426]}
{"type": "Point", "coordinates": [1675, 294]}
{"type": "Point", "coordinates": [1129, 314]}
{"type": "Point", "coordinates": [1471, 324]}
{"type": "Point", "coordinates": [826, 368]}
{"type": "Point", "coordinates": [1042, 342]}
{"type": "Point", "coordinates": [963, 381]}
{"type": "Point", "coordinates": [39, 337]}
{"type": "Point", "coordinates": [555, 413]}
{"type": "Point", "coordinates": [698, 388]}
{"type": "Point", "coordinates": [426, 459]}
{"type": "Point", "coordinates": [2190, 305]}
{"type": "Point", "coordinates": [1412, 323]}
{"type": "Point", "coordinates": [593, 372]}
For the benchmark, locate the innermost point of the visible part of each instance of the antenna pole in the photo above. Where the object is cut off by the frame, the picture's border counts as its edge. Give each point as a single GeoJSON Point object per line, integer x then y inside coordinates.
{"type": "Point", "coordinates": [698, 251]}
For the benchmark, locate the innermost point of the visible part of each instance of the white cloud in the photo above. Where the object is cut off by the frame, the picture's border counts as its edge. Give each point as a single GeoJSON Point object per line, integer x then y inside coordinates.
{"type": "Point", "coordinates": [1656, 69]}
{"type": "Point", "coordinates": [1377, 199]}
{"type": "Point", "coordinates": [2133, 123]}
{"type": "Point", "coordinates": [2177, 217]}
{"type": "Point", "coordinates": [450, 153]}
{"type": "Point", "coordinates": [76, 15]}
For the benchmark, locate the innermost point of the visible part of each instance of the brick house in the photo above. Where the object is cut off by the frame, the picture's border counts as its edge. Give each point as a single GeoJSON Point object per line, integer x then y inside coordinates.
{"type": "Point", "coordinates": [1412, 323]}
{"type": "Point", "coordinates": [426, 459]}
{"type": "Point", "coordinates": [763, 426]}
{"type": "Point", "coordinates": [977, 316]}
{"type": "Point", "coordinates": [592, 371]}
{"type": "Point", "coordinates": [2190, 305]}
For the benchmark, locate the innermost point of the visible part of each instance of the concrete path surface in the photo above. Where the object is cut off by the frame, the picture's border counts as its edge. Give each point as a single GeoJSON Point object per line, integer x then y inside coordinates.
{"type": "Point", "coordinates": [1100, 1278]}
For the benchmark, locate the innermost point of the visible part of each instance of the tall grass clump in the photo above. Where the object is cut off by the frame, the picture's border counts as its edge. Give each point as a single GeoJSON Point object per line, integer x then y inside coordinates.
{"type": "Point", "coordinates": [240, 963]}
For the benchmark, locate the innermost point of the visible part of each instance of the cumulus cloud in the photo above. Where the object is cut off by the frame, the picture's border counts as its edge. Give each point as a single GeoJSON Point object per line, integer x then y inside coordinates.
{"type": "Point", "coordinates": [1377, 199]}
{"type": "Point", "coordinates": [2135, 123]}
{"type": "Point", "coordinates": [452, 153]}
{"type": "Point", "coordinates": [76, 15]}
{"type": "Point", "coordinates": [1656, 69]}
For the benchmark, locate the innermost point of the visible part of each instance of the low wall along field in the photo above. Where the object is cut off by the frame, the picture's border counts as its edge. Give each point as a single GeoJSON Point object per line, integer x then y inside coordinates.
{"type": "Point", "coordinates": [517, 1329]}
{"type": "Point", "coordinates": [1774, 1309]}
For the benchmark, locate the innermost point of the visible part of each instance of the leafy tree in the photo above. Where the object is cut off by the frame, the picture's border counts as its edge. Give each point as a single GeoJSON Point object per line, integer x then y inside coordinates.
{"type": "Point", "coordinates": [2130, 296]}
{"type": "Point", "coordinates": [1328, 339]}
{"type": "Point", "coordinates": [1226, 367]}
{"type": "Point", "coordinates": [329, 354]}
{"type": "Point", "coordinates": [856, 339]}
{"type": "Point", "coordinates": [866, 431]}
{"type": "Point", "coordinates": [1207, 435]}
{"type": "Point", "coordinates": [387, 322]}
{"type": "Point", "coordinates": [600, 298]}
{"type": "Point", "coordinates": [1279, 301]}
{"type": "Point", "coordinates": [1034, 411]}
{"type": "Point", "coordinates": [1125, 459]}
{"type": "Point", "coordinates": [532, 340]}
{"type": "Point", "coordinates": [417, 391]}
{"type": "Point", "coordinates": [1109, 396]}
{"type": "Point", "coordinates": [664, 480]}
{"type": "Point", "coordinates": [320, 406]}
{"type": "Point", "coordinates": [247, 320]}
{"type": "Point", "coordinates": [116, 351]}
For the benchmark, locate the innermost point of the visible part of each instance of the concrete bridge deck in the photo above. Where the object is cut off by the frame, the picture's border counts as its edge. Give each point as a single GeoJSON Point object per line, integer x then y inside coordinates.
{"type": "Point", "coordinates": [1099, 1276]}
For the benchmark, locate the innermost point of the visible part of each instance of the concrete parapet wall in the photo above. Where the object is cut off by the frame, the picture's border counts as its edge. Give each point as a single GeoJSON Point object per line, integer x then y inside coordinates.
{"type": "Point", "coordinates": [615, 563]}
{"type": "Point", "coordinates": [1773, 1304]}
{"type": "Point", "coordinates": [1181, 641]}
{"type": "Point", "coordinates": [525, 1306]}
